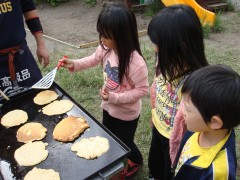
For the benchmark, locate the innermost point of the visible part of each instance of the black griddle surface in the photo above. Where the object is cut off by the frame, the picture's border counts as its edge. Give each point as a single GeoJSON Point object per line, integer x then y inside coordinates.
{"type": "Point", "coordinates": [60, 157]}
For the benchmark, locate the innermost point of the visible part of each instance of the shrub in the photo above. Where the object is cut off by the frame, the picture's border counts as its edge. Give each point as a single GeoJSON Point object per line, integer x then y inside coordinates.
{"type": "Point", "coordinates": [91, 3]}
{"type": "Point", "coordinates": [51, 2]}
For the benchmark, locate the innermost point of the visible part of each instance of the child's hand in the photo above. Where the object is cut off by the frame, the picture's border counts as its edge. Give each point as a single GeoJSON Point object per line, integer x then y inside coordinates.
{"type": "Point", "coordinates": [104, 93]}
{"type": "Point", "coordinates": [67, 63]}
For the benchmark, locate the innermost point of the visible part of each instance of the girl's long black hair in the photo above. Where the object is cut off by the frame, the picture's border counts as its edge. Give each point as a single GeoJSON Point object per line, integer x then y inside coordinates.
{"type": "Point", "coordinates": [178, 35]}
{"type": "Point", "coordinates": [118, 23]}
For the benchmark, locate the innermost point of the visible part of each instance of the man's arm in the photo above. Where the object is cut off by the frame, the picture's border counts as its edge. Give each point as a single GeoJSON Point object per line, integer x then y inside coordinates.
{"type": "Point", "coordinates": [35, 27]}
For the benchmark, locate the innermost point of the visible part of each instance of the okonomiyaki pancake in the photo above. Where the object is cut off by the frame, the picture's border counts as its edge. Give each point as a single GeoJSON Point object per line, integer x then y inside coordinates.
{"type": "Point", "coordinates": [31, 153]}
{"type": "Point", "coordinates": [45, 97]}
{"type": "Point", "coordinates": [69, 128]}
{"type": "Point", "coordinates": [30, 132]}
{"type": "Point", "coordinates": [42, 174]}
{"type": "Point", "coordinates": [57, 107]}
{"type": "Point", "coordinates": [14, 118]}
{"type": "Point", "coordinates": [91, 148]}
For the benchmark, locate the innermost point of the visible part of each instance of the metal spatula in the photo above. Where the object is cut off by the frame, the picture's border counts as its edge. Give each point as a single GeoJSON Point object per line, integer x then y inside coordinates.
{"type": "Point", "coordinates": [48, 79]}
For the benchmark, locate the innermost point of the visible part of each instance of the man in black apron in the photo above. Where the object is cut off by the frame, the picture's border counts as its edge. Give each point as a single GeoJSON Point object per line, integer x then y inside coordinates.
{"type": "Point", "coordinates": [17, 64]}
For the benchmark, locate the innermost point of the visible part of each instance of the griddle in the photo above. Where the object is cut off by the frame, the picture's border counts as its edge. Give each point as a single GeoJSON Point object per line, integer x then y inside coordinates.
{"type": "Point", "coordinates": [60, 157]}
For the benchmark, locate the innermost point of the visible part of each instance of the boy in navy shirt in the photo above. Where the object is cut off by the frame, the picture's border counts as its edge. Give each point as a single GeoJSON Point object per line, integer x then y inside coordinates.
{"type": "Point", "coordinates": [211, 97]}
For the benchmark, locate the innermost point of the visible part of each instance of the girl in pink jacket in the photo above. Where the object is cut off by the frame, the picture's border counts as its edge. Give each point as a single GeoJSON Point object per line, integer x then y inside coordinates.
{"type": "Point", "coordinates": [125, 76]}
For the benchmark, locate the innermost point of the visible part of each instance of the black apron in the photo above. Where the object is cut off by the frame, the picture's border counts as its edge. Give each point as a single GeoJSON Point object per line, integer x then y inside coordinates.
{"type": "Point", "coordinates": [23, 71]}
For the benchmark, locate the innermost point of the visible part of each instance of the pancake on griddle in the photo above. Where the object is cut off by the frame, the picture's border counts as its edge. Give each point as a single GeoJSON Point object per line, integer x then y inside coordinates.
{"type": "Point", "coordinates": [42, 174]}
{"type": "Point", "coordinates": [91, 148]}
{"type": "Point", "coordinates": [14, 118]}
{"type": "Point", "coordinates": [57, 107]}
{"type": "Point", "coordinates": [30, 132]}
{"type": "Point", "coordinates": [69, 128]}
{"type": "Point", "coordinates": [31, 153]}
{"type": "Point", "coordinates": [45, 97]}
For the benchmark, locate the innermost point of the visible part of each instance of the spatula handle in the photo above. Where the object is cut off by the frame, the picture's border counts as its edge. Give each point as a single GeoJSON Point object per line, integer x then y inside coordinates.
{"type": "Point", "coordinates": [60, 62]}
{"type": "Point", "coordinates": [4, 95]}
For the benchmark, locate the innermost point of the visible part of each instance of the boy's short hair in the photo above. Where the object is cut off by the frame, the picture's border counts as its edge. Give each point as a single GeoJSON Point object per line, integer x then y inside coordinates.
{"type": "Point", "coordinates": [215, 90]}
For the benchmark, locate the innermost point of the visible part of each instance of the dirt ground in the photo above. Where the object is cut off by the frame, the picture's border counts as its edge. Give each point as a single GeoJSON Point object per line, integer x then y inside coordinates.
{"type": "Point", "coordinates": [72, 24]}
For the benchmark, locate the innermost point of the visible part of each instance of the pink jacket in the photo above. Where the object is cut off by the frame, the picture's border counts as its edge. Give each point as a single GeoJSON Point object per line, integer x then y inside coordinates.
{"type": "Point", "coordinates": [124, 99]}
{"type": "Point", "coordinates": [179, 128]}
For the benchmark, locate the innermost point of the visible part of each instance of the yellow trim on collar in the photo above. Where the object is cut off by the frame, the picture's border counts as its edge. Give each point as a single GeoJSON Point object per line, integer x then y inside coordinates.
{"type": "Point", "coordinates": [220, 166]}
{"type": "Point", "coordinates": [207, 158]}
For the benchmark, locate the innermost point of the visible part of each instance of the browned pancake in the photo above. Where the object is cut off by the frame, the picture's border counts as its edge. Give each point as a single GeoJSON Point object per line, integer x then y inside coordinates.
{"type": "Point", "coordinates": [69, 128]}
{"type": "Point", "coordinates": [31, 132]}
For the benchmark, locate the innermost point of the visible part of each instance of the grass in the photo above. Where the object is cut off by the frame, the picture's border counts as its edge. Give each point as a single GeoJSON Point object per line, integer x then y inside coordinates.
{"type": "Point", "coordinates": [84, 86]}
{"type": "Point", "coordinates": [153, 7]}
{"type": "Point", "coordinates": [90, 3]}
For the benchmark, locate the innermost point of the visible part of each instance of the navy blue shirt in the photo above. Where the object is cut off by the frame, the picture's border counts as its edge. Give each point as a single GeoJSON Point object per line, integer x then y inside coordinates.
{"type": "Point", "coordinates": [12, 32]}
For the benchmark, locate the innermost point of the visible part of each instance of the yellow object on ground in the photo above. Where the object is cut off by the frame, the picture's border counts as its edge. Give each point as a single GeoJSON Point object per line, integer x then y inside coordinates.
{"type": "Point", "coordinates": [205, 16]}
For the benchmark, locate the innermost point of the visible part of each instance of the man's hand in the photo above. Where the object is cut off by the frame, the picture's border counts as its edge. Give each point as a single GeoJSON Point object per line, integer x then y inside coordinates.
{"type": "Point", "coordinates": [42, 55]}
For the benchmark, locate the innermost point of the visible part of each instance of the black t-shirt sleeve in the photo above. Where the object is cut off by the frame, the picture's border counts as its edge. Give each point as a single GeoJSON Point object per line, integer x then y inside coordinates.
{"type": "Point", "coordinates": [27, 5]}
